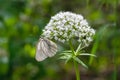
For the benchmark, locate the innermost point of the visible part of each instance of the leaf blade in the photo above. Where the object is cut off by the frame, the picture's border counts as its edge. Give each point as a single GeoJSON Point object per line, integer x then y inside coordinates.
{"type": "Point", "coordinates": [79, 61]}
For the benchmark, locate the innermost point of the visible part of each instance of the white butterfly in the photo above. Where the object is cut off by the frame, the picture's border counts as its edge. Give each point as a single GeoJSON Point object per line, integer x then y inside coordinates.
{"type": "Point", "coordinates": [45, 48]}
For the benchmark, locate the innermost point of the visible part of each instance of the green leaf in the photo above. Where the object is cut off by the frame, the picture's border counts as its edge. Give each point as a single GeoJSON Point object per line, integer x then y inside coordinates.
{"type": "Point", "coordinates": [63, 57]}
{"type": "Point", "coordinates": [67, 60]}
{"type": "Point", "coordinates": [87, 54]}
{"type": "Point", "coordinates": [64, 53]}
{"type": "Point", "coordinates": [79, 61]}
{"type": "Point", "coordinates": [66, 56]}
{"type": "Point", "coordinates": [77, 50]}
{"type": "Point", "coordinates": [67, 51]}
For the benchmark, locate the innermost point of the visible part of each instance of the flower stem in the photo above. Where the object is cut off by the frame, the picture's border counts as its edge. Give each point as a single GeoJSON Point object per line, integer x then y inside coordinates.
{"type": "Point", "coordinates": [77, 70]}
{"type": "Point", "coordinates": [115, 66]}
{"type": "Point", "coordinates": [75, 63]}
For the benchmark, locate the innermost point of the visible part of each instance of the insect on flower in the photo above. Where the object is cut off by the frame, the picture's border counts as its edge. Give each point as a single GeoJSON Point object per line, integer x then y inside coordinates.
{"type": "Point", "coordinates": [45, 48]}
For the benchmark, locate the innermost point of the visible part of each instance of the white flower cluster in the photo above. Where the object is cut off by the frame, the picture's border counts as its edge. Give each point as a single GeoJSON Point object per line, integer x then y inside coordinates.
{"type": "Point", "coordinates": [66, 25]}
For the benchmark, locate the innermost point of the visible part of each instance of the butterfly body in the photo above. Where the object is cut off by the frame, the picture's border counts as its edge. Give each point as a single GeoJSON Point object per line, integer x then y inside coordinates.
{"type": "Point", "coordinates": [45, 48]}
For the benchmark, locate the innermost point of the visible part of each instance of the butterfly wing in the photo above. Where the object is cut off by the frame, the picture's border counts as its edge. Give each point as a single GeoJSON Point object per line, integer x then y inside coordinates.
{"type": "Point", "coordinates": [45, 48]}
{"type": "Point", "coordinates": [40, 52]}
{"type": "Point", "coordinates": [51, 49]}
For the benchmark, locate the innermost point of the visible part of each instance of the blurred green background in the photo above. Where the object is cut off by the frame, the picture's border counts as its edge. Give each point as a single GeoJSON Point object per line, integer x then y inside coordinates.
{"type": "Point", "coordinates": [22, 22]}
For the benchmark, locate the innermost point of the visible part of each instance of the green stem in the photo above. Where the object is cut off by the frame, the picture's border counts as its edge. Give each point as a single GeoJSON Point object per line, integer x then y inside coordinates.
{"type": "Point", "coordinates": [115, 66]}
{"type": "Point", "coordinates": [77, 70]}
{"type": "Point", "coordinates": [75, 63]}
{"type": "Point", "coordinates": [70, 43]}
{"type": "Point", "coordinates": [87, 4]}
{"type": "Point", "coordinates": [114, 55]}
{"type": "Point", "coordinates": [93, 51]}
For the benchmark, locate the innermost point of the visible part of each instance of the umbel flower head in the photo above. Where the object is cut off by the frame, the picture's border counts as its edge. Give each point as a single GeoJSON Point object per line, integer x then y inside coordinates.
{"type": "Point", "coordinates": [67, 25]}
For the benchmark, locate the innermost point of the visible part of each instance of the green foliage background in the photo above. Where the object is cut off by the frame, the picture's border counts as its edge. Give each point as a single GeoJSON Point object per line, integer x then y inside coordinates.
{"type": "Point", "coordinates": [21, 24]}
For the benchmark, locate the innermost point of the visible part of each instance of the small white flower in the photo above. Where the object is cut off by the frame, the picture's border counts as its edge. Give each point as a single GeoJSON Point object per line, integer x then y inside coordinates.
{"type": "Point", "coordinates": [66, 25]}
